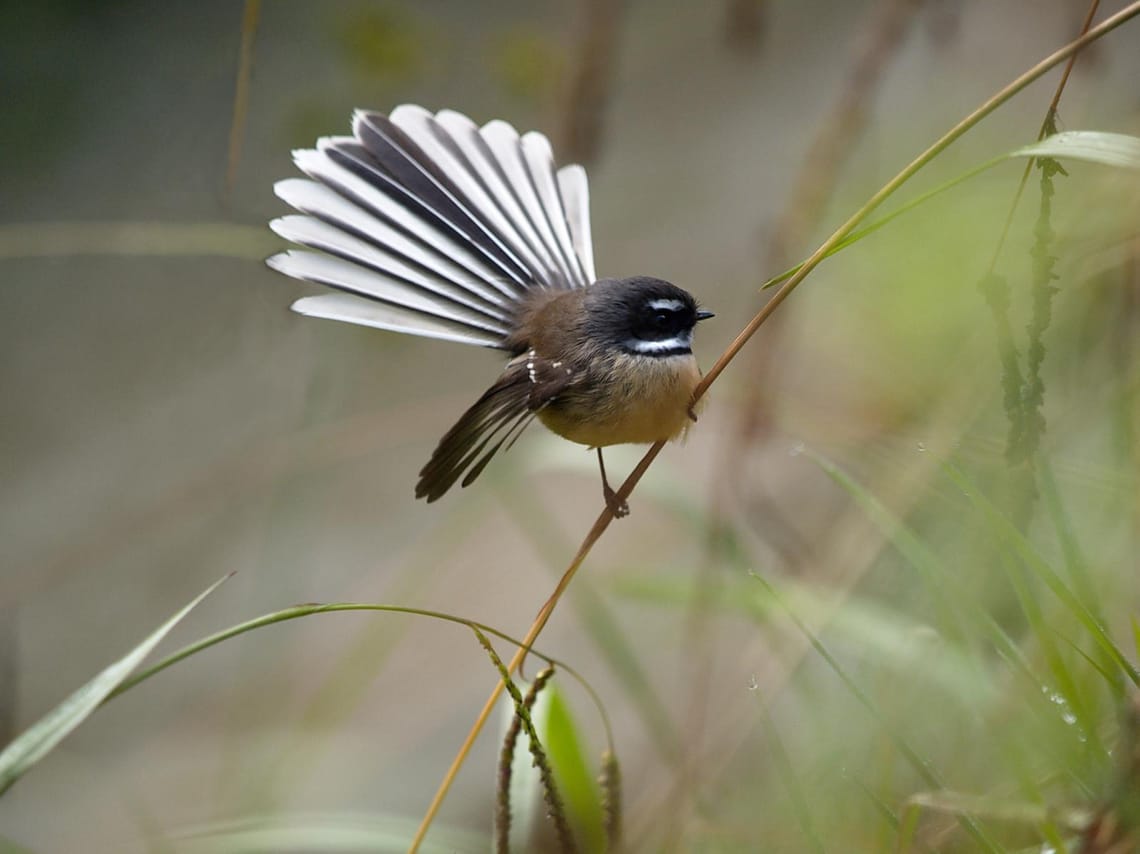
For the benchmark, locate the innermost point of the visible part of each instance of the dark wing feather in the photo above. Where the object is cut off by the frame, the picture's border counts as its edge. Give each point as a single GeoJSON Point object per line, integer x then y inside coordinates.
{"type": "Point", "coordinates": [495, 420]}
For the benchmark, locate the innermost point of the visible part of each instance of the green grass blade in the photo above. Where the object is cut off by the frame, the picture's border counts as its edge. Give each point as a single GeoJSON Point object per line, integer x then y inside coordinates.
{"type": "Point", "coordinates": [906, 542]}
{"type": "Point", "coordinates": [540, 759]}
{"type": "Point", "coordinates": [1091, 146]}
{"type": "Point", "coordinates": [961, 803]}
{"type": "Point", "coordinates": [926, 561]}
{"type": "Point", "coordinates": [867, 231]}
{"type": "Point", "coordinates": [921, 766]}
{"type": "Point", "coordinates": [801, 804]}
{"type": "Point", "coordinates": [1107, 149]}
{"type": "Point", "coordinates": [1075, 562]}
{"type": "Point", "coordinates": [1063, 677]}
{"type": "Point", "coordinates": [1007, 533]}
{"type": "Point", "coordinates": [1077, 568]}
{"type": "Point", "coordinates": [321, 832]}
{"type": "Point", "coordinates": [876, 631]}
{"type": "Point", "coordinates": [908, 826]}
{"type": "Point", "coordinates": [885, 810]}
{"type": "Point", "coordinates": [299, 611]}
{"type": "Point", "coordinates": [42, 737]}
{"type": "Point", "coordinates": [562, 748]}
{"type": "Point", "coordinates": [1009, 811]}
{"type": "Point", "coordinates": [578, 784]}
{"type": "Point", "coordinates": [1111, 676]}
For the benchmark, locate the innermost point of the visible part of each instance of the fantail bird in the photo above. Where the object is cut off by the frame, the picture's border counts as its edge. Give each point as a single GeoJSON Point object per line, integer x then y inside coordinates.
{"type": "Point", "coordinates": [429, 225]}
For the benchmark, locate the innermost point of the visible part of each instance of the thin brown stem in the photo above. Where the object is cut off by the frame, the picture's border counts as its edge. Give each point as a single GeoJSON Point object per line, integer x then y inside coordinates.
{"type": "Point", "coordinates": [1046, 123]}
{"type": "Point", "coordinates": [603, 521]}
{"type": "Point", "coordinates": [995, 101]}
{"type": "Point", "coordinates": [595, 533]}
{"type": "Point", "coordinates": [250, 17]}
{"type": "Point", "coordinates": [591, 79]}
{"type": "Point", "coordinates": [1093, 6]}
{"type": "Point", "coordinates": [833, 143]}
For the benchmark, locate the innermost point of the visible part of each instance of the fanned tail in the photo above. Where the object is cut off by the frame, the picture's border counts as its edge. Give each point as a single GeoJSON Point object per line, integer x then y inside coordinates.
{"type": "Point", "coordinates": [429, 225]}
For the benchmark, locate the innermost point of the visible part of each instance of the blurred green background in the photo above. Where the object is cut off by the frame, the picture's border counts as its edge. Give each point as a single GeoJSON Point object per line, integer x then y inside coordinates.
{"type": "Point", "coordinates": [167, 420]}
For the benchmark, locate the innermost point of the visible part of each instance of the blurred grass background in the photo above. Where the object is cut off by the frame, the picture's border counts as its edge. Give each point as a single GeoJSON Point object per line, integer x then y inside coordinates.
{"type": "Point", "coordinates": [167, 420]}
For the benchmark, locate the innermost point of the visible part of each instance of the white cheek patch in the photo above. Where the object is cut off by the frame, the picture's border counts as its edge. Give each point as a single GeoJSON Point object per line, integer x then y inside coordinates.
{"type": "Point", "coordinates": [675, 346]}
{"type": "Point", "coordinates": [667, 305]}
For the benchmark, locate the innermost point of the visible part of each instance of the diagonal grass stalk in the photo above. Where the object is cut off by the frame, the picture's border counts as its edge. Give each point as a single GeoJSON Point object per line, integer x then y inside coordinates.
{"type": "Point", "coordinates": [606, 516]}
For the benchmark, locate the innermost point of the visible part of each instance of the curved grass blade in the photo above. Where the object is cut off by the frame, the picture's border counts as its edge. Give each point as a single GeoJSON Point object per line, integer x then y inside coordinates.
{"type": "Point", "coordinates": [1008, 534]}
{"type": "Point", "coordinates": [52, 728]}
{"type": "Point", "coordinates": [565, 745]}
{"type": "Point", "coordinates": [299, 611]}
{"type": "Point", "coordinates": [917, 762]}
{"type": "Point", "coordinates": [1107, 149]}
{"type": "Point", "coordinates": [562, 746]}
{"type": "Point", "coordinates": [867, 231]}
{"type": "Point", "coordinates": [1091, 146]}
{"type": "Point", "coordinates": [308, 833]}
{"type": "Point", "coordinates": [786, 771]}
{"type": "Point", "coordinates": [924, 559]}
{"type": "Point", "coordinates": [1052, 823]}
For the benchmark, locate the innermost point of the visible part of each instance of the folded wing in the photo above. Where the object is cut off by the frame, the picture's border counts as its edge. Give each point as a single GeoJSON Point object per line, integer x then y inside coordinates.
{"type": "Point", "coordinates": [527, 385]}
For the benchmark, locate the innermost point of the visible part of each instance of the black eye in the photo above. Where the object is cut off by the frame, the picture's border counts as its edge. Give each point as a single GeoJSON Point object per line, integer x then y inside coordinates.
{"type": "Point", "coordinates": [659, 319]}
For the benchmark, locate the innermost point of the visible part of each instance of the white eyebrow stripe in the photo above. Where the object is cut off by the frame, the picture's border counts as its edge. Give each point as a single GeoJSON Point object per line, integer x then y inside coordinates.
{"type": "Point", "coordinates": [666, 305]}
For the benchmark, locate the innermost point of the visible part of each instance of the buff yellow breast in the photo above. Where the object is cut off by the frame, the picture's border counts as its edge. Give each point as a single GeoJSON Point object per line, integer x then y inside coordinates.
{"type": "Point", "coordinates": [650, 403]}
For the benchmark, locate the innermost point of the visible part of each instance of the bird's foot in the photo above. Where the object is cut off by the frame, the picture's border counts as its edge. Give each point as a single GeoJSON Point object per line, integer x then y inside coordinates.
{"type": "Point", "coordinates": [618, 506]}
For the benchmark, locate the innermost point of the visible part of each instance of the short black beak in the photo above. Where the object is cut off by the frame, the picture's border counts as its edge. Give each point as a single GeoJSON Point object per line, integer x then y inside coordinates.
{"type": "Point", "coordinates": [704, 314]}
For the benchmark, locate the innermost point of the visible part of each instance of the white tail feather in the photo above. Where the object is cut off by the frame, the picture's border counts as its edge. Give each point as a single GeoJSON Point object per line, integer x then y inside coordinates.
{"type": "Point", "coordinates": [345, 275]}
{"type": "Point", "coordinates": [353, 309]}
{"type": "Point", "coordinates": [575, 189]}
{"type": "Point", "coordinates": [421, 126]}
{"type": "Point", "coordinates": [492, 173]}
{"type": "Point", "coordinates": [399, 282]}
{"type": "Point", "coordinates": [355, 191]}
{"type": "Point", "coordinates": [504, 142]}
{"type": "Point", "coordinates": [430, 225]}
{"type": "Point", "coordinates": [329, 207]}
{"type": "Point", "coordinates": [540, 161]}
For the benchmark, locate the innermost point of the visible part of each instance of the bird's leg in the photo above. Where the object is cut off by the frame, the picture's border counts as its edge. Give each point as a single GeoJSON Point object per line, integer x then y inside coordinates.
{"type": "Point", "coordinates": [618, 507]}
